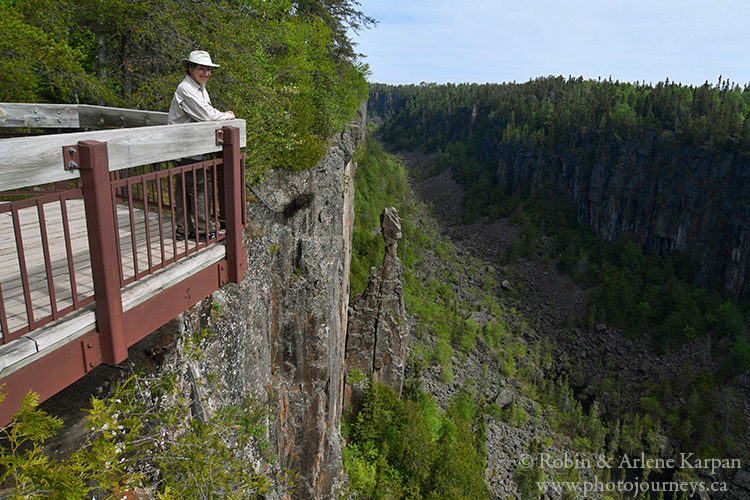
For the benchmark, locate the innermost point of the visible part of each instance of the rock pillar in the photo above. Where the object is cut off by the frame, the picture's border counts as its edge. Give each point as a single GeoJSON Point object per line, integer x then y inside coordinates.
{"type": "Point", "coordinates": [376, 334]}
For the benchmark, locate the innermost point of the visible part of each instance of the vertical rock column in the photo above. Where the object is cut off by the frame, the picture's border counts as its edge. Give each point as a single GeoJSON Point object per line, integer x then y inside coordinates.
{"type": "Point", "coordinates": [376, 334]}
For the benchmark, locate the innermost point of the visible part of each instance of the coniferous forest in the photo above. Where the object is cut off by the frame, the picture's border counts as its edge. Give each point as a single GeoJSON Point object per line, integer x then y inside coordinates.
{"type": "Point", "coordinates": [474, 128]}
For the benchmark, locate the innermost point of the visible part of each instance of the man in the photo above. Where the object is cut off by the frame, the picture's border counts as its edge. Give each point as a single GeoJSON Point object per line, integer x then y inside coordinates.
{"type": "Point", "coordinates": [191, 103]}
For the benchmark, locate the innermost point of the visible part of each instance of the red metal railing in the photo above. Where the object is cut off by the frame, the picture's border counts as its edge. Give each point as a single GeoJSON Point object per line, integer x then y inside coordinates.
{"type": "Point", "coordinates": [50, 274]}
{"type": "Point", "coordinates": [147, 236]}
{"type": "Point", "coordinates": [41, 274]}
{"type": "Point", "coordinates": [129, 233]}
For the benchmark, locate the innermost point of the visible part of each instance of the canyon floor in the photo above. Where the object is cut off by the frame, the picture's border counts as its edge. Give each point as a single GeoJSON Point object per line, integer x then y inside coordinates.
{"type": "Point", "coordinates": [553, 302]}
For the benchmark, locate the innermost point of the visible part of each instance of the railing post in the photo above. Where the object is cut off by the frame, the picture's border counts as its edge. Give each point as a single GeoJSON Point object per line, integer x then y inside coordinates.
{"type": "Point", "coordinates": [233, 186]}
{"type": "Point", "coordinates": [97, 198]}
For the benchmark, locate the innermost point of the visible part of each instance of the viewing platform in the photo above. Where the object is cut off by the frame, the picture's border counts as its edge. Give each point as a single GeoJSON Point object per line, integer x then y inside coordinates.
{"type": "Point", "coordinates": [90, 258]}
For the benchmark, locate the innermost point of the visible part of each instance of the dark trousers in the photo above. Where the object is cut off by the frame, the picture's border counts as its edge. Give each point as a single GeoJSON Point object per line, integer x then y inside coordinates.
{"type": "Point", "coordinates": [195, 199]}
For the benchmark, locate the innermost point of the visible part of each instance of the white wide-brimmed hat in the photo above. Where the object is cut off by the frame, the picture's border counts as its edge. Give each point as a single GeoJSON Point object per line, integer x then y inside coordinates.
{"type": "Point", "coordinates": [200, 57]}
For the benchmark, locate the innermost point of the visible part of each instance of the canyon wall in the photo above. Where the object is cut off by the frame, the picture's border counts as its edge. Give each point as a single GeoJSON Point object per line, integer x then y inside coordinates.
{"type": "Point", "coordinates": [688, 200]}
{"type": "Point", "coordinates": [671, 198]}
{"type": "Point", "coordinates": [292, 305]}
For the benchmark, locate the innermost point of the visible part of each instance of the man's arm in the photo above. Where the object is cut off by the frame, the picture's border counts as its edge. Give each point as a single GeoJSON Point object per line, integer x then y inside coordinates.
{"type": "Point", "coordinates": [200, 110]}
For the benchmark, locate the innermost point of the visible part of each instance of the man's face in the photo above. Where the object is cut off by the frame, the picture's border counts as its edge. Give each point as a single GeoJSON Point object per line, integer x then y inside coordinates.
{"type": "Point", "coordinates": [201, 74]}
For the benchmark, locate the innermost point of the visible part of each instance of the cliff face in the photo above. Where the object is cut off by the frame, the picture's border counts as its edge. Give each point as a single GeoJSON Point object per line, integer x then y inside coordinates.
{"type": "Point", "coordinates": [280, 334]}
{"type": "Point", "coordinates": [382, 103]}
{"type": "Point", "coordinates": [685, 199]}
{"type": "Point", "coordinates": [298, 286]}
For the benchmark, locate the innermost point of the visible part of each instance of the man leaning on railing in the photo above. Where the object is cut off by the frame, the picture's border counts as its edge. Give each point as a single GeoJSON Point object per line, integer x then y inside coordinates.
{"type": "Point", "coordinates": [191, 103]}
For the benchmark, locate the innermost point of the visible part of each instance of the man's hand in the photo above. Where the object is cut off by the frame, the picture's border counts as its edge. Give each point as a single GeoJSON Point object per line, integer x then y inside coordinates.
{"type": "Point", "coordinates": [231, 113]}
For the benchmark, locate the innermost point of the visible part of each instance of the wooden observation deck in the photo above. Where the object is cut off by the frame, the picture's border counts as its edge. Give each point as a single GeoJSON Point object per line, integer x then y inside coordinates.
{"type": "Point", "coordinates": [90, 258]}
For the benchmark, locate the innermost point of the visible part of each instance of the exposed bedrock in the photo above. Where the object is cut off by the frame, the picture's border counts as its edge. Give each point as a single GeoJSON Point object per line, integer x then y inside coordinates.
{"type": "Point", "coordinates": [686, 199]}
{"type": "Point", "coordinates": [376, 337]}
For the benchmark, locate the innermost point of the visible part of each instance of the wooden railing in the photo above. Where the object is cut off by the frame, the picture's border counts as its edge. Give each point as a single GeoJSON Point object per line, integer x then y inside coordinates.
{"type": "Point", "coordinates": [123, 183]}
{"type": "Point", "coordinates": [40, 115]}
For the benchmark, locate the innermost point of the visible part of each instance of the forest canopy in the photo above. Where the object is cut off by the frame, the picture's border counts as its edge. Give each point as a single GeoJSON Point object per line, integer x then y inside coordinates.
{"type": "Point", "coordinates": [473, 128]}
{"type": "Point", "coordinates": [287, 67]}
{"type": "Point", "coordinates": [551, 112]}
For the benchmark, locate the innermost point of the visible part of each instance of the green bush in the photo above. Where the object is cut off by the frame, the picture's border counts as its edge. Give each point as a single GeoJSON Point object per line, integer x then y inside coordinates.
{"type": "Point", "coordinates": [409, 449]}
{"type": "Point", "coordinates": [141, 427]}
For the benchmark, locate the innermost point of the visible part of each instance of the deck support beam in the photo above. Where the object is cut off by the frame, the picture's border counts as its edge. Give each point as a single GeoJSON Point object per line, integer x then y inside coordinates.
{"type": "Point", "coordinates": [50, 374]}
{"type": "Point", "coordinates": [234, 185]}
{"type": "Point", "coordinates": [101, 228]}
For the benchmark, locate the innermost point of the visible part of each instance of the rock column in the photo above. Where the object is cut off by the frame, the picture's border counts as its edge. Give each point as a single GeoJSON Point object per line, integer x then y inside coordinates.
{"type": "Point", "coordinates": [376, 334]}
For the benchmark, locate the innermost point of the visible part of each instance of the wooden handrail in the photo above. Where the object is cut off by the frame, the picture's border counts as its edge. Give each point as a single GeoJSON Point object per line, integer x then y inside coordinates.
{"type": "Point", "coordinates": [31, 161]}
{"type": "Point", "coordinates": [44, 115]}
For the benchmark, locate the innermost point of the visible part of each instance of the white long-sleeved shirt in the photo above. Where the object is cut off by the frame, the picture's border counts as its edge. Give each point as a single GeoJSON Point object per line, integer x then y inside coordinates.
{"type": "Point", "coordinates": [191, 103]}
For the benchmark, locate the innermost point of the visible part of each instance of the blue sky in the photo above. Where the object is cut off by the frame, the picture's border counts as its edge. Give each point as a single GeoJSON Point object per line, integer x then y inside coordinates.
{"type": "Point", "coordinates": [687, 41]}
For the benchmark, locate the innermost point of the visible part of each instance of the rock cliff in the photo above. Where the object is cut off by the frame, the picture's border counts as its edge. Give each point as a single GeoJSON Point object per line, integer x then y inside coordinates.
{"type": "Point", "coordinates": [688, 200]}
{"type": "Point", "coordinates": [291, 310]}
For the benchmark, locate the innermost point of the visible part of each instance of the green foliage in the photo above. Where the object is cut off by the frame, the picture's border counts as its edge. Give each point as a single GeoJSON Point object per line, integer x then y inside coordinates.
{"type": "Point", "coordinates": [409, 449]}
{"type": "Point", "coordinates": [474, 128]}
{"type": "Point", "coordinates": [355, 376]}
{"type": "Point", "coordinates": [216, 310]}
{"type": "Point", "coordinates": [25, 465]}
{"type": "Point", "coordinates": [514, 415]}
{"type": "Point", "coordinates": [194, 344]}
{"type": "Point", "coordinates": [495, 333]}
{"type": "Point", "coordinates": [339, 16]}
{"type": "Point", "coordinates": [281, 70]}
{"type": "Point", "coordinates": [644, 293]}
{"type": "Point", "coordinates": [141, 427]}
{"type": "Point", "coordinates": [380, 182]}
{"type": "Point", "coordinates": [544, 113]}
{"type": "Point", "coordinates": [528, 479]}
{"type": "Point", "coordinates": [38, 64]}
{"type": "Point", "coordinates": [467, 339]}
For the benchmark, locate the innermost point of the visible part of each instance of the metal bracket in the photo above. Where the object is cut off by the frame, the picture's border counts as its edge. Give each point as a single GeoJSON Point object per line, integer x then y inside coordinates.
{"type": "Point", "coordinates": [219, 137]}
{"type": "Point", "coordinates": [71, 157]}
{"type": "Point", "coordinates": [92, 352]}
{"type": "Point", "coordinates": [223, 280]}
